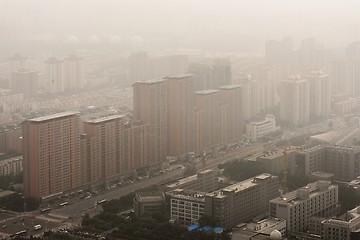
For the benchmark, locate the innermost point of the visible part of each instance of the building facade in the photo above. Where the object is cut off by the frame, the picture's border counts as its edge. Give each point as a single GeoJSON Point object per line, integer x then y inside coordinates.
{"type": "Point", "coordinates": [294, 101]}
{"type": "Point", "coordinates": [256, 130]}
{"type": "Point", "coordinates": [11, 166]}
{"type": "Point", "coordinates": [51, 154]}
{"type": "Point", "coordinates": [186, 206]}
{"type": "Point", "coordinates": [151, 107]}
{"type": "Point", "coordinates": [316, 199]}
{"type": "Point", "coordinates": [242, 201]}
{"type": "Point", "coordinates": [24, 81]}
{"type": "Point", "coordinates": [180, 115]}
{"type": "Point", "coordinates": [207, 119]}
{"type": "Point", "coordinates": [205, 181]}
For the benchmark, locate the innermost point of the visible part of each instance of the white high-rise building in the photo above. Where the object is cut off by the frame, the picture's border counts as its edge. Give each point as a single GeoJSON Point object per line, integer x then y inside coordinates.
{"type": "Point", "coordinates": [54, 77]}
{"type": "Point", "coordinates": [294, 101]}
{"type": "Point", "coordinates": [73, 77]}
{"type": "Point", "coordinates": [320, 93]}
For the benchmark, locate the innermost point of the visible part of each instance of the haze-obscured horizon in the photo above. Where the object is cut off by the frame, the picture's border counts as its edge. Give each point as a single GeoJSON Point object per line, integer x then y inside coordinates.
{"type": "Point", "coordinates": [210, 24]}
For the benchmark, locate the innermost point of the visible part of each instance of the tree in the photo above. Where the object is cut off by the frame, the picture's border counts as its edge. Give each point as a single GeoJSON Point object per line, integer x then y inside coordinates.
{"type": "Point", "coordinates": [242, 170]}
{"type": "Point", "coordinates": [206, 220]}
{"type": "Point", "coordinates": [190, 170]}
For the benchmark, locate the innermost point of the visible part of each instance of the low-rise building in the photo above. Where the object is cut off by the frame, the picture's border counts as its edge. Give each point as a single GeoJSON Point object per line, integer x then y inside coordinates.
{"type": "Point", "coordinates": [149, 203]}
{"type": "Point", "coordinates": [297, 207]}
{"type": "Point", "coordinates": [256, 130]}
{"type": "Point", "coordinates": [345, 228]}
{"type": "Point", "coordinates": [242, 201]}
{"type": "Point", "coordinates": [186, 206]}
{"type": "Point", "coordinates": [11, 166]}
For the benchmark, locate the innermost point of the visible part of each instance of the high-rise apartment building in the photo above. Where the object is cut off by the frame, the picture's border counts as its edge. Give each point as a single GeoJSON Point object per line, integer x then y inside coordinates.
{"type": "Point", "coordinates": [207, 119]}
{"type": "Point", "coordinates": [180, 115]}
{"type": "Point", "coordinates": [138, 67]}
{"type": "Point", "coordinates": [105, 136]}
{"type": "Point", "coordinates": [242, 201]}
{"type": "Point", "coordinates": [231, 118]}
{"type": "Point", "coordinates": [135, 147]}
{"type": "Point", "coordinates": [51, 154]}
{"type": "Point", "coordinates": [294, 101]}
{"type": "Point", "coordinates": [221, 73]}
{"type": "Point", "coordinates": [316, 199]}
{"type": "Point", "coordinates": [319, 93]}
{"type": "Point", "coordinates": [73, 77]}
{"type": "Point", "coordinates": [24, 81]}
{"type": "Point", "coordinates": [151, 107]}
{"type": "Point", "coordinates": [54, 76]}
{"type": "Point", "coordinates": [201, 75]}
{"type": "Point", "coordinates": [277, 52]}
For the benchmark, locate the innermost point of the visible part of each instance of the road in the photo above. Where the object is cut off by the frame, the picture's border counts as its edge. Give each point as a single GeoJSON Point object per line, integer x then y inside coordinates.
{"type": "Point", "coordinates": [83, 205]}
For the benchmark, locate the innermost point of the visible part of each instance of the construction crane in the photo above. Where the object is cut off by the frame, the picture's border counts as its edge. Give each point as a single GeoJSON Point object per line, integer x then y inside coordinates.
{"type": "Point", "coordinates": [286, 164]}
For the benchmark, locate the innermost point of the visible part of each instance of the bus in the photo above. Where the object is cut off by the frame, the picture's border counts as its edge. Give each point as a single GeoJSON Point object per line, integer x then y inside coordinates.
{"type": "Point", "coordinates": [101, 201]}
{"type": "Point", "coordinates": [37, 227]}
{"type": "Point", "coordinates": [21, 233]}
{"type": "Point", "coordinates": [63, 204]}
{"type": "Point", "coordinates": [44, 210]}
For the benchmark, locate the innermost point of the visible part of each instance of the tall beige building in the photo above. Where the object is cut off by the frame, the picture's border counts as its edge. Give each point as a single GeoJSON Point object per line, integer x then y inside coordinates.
{"type": "Point", "coordinates": [51, 154]}
{"type": "Point", "coordinates": [54, 76]}
{"type": "Point", "coordinates": [319, 93]}
{"type": "Point", "coordinates": [151, 107]}
{"type": "Point", "coordinates": [294, 101]}
{"type": "Point", "coordinates": [180, 115]}
{"type": "Point", "coordinates": [24, 81]}
{"type": "Point", "coordinates": [73, 77]}
{"type": "Point", "coordinates": [231, 119]}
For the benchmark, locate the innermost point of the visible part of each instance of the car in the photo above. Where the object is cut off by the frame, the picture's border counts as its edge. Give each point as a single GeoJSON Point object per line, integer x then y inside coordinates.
{"type": "Point", "coordinates": [4, 226]}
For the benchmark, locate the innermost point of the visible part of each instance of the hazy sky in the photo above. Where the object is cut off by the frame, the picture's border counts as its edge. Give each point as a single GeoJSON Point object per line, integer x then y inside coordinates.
{"type": "Point", "coordinates": [327, 20]}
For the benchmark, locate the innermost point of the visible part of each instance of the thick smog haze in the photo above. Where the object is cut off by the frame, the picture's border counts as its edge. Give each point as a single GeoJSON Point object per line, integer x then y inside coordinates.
{"type": "Point", "coordinates": [180, 119]}
{"type": "Point", "coordinates": [332, 22]}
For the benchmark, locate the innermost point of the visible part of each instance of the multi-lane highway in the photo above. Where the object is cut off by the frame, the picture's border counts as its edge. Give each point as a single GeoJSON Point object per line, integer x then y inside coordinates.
{"type": "Point", "coordinates": [82, 205]}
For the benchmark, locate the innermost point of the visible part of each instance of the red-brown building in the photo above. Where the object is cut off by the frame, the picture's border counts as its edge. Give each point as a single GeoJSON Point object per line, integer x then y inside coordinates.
{"type": "Point", "coordinates": [51, 154]}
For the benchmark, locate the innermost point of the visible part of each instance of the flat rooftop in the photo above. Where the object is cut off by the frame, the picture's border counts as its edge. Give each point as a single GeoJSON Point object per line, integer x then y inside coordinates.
{"type": "Point", "coordinates": [272, 155]}
{"type": "Point", "coordinates": [105, 119]}
{"type": "Point", "coordinates": [335, 136]}
{"type": "Point", "coordinates": [188, 195]}
{"type": "Point", "coordinates": [179, 76]}
{"type": "Point", "coordinates": [54, 116]}
{"type": "Point", "coordinates": [294, 197]}
{"type": "Point", "coordinates": [240, 186]}
{"type": "Point", "coordinates": [151, 81]}
{"type": "Point", "coordinates": [205, 92]}
{"type": "Point", "coordinates": [229, 87]}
